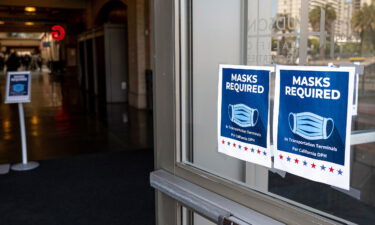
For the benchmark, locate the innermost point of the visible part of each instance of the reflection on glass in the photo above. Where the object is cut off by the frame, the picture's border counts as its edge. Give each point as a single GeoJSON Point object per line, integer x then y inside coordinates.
{"type": "Point", "coordinates": [292, 32]}
{"type": "Point", "coordinates": [339, 31]}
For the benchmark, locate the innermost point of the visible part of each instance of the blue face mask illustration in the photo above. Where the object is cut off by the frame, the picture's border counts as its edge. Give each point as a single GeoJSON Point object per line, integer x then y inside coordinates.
{"type": "Point", "coordinates": [311, 126]}
{"type": "Point", "coordinates": [18, 87]}
{"type": "Point", "coordinates": [242, 115]}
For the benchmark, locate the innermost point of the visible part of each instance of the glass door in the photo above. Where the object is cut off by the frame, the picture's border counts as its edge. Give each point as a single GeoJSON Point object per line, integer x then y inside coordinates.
{"type": "Point", "coordinates": [192, 37]}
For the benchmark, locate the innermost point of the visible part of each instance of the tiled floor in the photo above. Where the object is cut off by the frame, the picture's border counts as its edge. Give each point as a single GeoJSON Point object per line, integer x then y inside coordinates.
{"type": "Point", "coordinates": [59, 125]}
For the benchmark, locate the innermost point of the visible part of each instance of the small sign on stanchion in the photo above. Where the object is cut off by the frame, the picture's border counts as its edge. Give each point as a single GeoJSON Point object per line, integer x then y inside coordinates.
{"type": "Point", "coordinates": [18, 89]}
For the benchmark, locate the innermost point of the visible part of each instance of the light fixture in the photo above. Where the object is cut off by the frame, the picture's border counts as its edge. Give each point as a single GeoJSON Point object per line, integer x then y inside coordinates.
{"type": "Point", "coordinates": [2, 22]}
{"type": "Point", "coordinates": [34, 120]}
{"type": "Point", "coordinates": [30, 9]}
{"type": "Point", "coordinates": [29, 23]}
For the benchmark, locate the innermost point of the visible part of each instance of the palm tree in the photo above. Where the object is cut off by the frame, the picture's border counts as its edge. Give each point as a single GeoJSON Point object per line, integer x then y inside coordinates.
{"type": "Point", "coordinates": [363, 21]}
{"type": "Point", "coordinates": [314, 18]}
{"type": "Point", "coordinates": [330, 16]}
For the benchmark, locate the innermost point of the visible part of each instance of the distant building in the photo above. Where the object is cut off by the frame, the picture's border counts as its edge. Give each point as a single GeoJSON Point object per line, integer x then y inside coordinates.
{"type": "Point", "coordinates": [343, 27]}
{"type": "Point", "coordinates": [293, 7]}
{"type": "Point", "coordinates": [368, 2]}
{"type": "Point", "coordinates": [290, 7]}
{"type": "Point", "coordinates": [356, 4]}
{"type": "Point", "coordinates": [343, 9]}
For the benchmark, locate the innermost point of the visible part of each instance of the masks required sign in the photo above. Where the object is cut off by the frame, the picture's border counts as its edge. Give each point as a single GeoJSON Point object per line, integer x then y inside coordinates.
{"type": "Point", "coordinates": [312, 122]}
{"type": "Point", "coordinates": [18, 87]}
{"type": "Point", "coordinates": [243, 113]}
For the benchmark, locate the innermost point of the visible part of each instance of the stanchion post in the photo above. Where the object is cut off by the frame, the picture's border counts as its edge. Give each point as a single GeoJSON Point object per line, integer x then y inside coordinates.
{"type": "Point", "coordinates": [23, 133]}
{"type": "Point", "coordinates": [25, 165]}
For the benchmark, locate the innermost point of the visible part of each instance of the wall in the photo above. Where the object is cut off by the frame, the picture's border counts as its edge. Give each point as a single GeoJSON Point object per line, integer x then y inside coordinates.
{"type": "Point", "coordinates": [138, 42]}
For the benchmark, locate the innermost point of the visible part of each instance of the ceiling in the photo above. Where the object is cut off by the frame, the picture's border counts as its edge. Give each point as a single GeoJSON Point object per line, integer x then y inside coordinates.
{"type": "Point", "coordinates": [66, 4]}
{"type": "Point", "coordinates": [16, 19]}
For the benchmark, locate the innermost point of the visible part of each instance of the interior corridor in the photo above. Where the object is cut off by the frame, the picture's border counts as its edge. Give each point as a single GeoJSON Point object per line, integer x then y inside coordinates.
{"type": "Point", "coordinates": [58, 123]}
{"type": "Point", "coordinates": [90, 121]}
{"type": "Point", "coordinates": [110, 185]}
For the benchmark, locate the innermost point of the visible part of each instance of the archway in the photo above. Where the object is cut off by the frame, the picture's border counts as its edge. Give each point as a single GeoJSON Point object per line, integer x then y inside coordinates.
{"type": "Point", "coordinates": [114, 12]}
{"type": "Point", "coordinates": [111, 50]}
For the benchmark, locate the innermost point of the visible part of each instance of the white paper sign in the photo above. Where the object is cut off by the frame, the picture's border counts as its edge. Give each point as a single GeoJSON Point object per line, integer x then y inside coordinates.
{"type": "Point", "coordinates": [312, 122]}
{"type": "Point", "coordinates": [243, 113]}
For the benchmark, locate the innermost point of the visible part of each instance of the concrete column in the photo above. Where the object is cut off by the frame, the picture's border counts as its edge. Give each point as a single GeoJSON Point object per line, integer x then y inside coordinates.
{"type": "Point", "coordinates": [138, 47]}
{"type": "Point", "coordinates": [137, 54]}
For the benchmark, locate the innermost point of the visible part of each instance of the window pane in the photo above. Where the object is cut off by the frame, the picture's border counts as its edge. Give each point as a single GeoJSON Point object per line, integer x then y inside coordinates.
{"type": "Point", "coordinates": [269, 32]}
{"type": "Point", "coordinates": [216, 38]}
{"type": "Point", "coordinates": [336, 36]}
